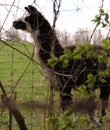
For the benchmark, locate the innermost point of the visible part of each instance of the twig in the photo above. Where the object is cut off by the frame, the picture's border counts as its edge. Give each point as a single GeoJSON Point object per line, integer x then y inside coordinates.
{"type": "Point", "coordinates": [93, 33]}
{"type": "Point", "coordinates": [3, 90]}
{"type": "Point", "coordinates": [9, 103]}
{"type": "Point", "coordinates": [7, 15]}
{"type": "Point", "coordinates": [56, 10]}
{"type": "Point", "coordinates": [102, 4]}
{"type": "Point", "coordinates": [13, 6]}
{"type": "Point", "coordinates": [96, 25]}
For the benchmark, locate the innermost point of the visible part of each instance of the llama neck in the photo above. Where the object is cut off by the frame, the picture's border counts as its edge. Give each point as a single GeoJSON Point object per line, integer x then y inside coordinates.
{"type": "Point", "coordinates": [44, 41]}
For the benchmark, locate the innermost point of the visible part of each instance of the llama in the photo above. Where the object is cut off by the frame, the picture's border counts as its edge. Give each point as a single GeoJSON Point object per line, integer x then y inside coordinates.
{"type": "Point", "coordinates": [43, 34]}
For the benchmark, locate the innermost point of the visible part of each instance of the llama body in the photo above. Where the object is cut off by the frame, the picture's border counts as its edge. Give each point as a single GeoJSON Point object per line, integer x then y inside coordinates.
{"type": "Point", "coordinates": [66, 78]}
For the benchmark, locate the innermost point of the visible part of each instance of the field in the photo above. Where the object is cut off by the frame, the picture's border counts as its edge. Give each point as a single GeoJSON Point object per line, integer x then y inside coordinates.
{"type": "Point", "coordinates": [20, 74]}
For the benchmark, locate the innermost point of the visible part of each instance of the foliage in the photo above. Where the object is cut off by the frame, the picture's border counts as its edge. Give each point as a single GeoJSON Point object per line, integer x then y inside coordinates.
{"type": "Point", "coordinates": [52, 61]}
{"type": "Point", "coordinates": [66, 121]}
{"type": "Point", "coordinates": [65, 58]}
{"type": "Point", "coordinates": [102, 18]}
{"type": "Point", "coordinates": [84, 51]}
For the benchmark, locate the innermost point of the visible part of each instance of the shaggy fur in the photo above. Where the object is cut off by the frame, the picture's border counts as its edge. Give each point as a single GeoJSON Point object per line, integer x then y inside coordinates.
{"type": "Point", "coordinates": [67, 78]}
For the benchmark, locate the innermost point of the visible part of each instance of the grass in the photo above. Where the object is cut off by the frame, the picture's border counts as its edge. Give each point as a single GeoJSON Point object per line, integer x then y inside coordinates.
{"type": "Point", "coordinates": [13, 64]}
{"type": "Point", "coordinates": [31, 86]}
{"type": "Point", "coordinates": [32, 92]}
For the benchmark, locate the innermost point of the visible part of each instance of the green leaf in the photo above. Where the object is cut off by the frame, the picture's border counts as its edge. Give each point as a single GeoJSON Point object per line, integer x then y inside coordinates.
{"type": "Point", "coordinates": [89, 50]}
{"type": "Point", "coordinates": [52, 61]}
{"type": "Point", "coordinates": [66, 57]}
{"type": "Point", "coordinates": [101, 73]}
{"type": "Point", "coordinates": [101, 11]}
{"type": "Point", "coordinates": [82, 90]}
{"type": "Point", "coordinates": [104, 24]}
{"type": "Point", "coordinates": [107, 17]}
{"type": "Point", "coordinates": [103, 80]}
{"type": "Point", "coordinates": [67, 51]}
{"type": "Point", "coordinates": [106, 45]}
{"type": "Point", "coordinates": [90, 80]}
{"type": "Point", "coordinates": [62, 57]}
{"type": "Point", "coordinates": [78, 51]}
{"type": "Point", "coordinates": [98, 23]}
{"type": "Point", "coordinates": [100, 58]}
{"type": "Point", "coordinates": [65, 63]}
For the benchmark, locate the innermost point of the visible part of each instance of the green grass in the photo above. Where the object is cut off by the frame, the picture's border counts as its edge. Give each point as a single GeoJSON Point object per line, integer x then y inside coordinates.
{"type": "Point", "coordinates": [32, 92]}
{"type": "Point", "coordinates": [13, 64]}
{"type": "Point", "coordinates": [29, 86]}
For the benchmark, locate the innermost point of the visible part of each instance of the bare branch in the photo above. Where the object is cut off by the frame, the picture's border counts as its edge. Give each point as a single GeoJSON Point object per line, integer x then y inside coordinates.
{"type": "Point", "coordinates": [9, 103]}
{"type": "Point", "coordinates": [56, 10]}
{"type": "Point", "coordinates": [7, 15]}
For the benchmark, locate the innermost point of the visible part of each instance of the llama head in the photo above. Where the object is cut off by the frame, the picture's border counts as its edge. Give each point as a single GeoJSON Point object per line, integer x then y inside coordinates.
{"type": "Point", "coordinates": [31, 22]}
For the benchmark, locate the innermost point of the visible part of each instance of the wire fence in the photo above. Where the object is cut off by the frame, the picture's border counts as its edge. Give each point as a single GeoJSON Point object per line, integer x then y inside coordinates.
{"type": "Point", "coordinates": [20, 73]}
{"type": "Point", "coordinates": [25, 76]}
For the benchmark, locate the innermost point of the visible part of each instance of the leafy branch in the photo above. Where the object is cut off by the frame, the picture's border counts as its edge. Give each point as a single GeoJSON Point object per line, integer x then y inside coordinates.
{"type": "Point", "coordinates": [102, 18]}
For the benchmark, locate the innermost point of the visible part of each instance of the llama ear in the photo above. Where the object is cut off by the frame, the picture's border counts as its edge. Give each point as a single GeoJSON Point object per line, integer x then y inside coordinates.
{"type": "Point", "coordinates": [31, 9]}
